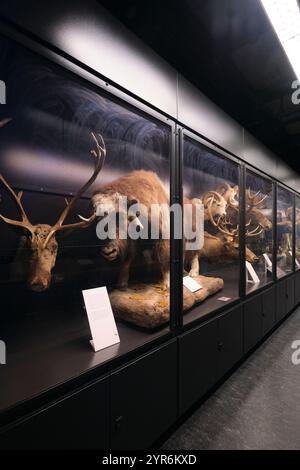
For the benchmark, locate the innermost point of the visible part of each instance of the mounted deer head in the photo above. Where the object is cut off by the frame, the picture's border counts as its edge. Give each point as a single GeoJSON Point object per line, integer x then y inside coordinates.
{"type": "Point", "coordinates": [41, 238]}
{"type": "Point", "coordinates": [214, 205]}
{"type": "Point", "coordinates": [231, 238]}
{"type": "Point", "coordinates": [254, 205]}
{"type": "Point", "coordinates": [230, 194]}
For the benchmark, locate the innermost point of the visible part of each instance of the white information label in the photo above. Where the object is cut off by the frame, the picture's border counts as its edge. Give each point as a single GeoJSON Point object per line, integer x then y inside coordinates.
{"type": "Point", "coordinates": [191, 284]}
{"type": "Point", "coordinates": [280, 272]}
{"type": "Point", "coordinates": [224, 299]}
{"type": "Point", "coordinates": [101, 318]}
{"type": "Point", "coordinates": [268, 263]}
{"type": "Point", "coordinates": [252, 273]}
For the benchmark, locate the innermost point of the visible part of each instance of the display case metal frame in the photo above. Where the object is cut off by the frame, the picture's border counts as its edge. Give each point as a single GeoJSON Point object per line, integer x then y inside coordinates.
{"type": "Point", "coordinates": [221, 153]}
{"type": "Point", "coordinates": [293, 193]}
{"type": "Point", "coordinates": [263, 175]}
{"type": "Point", "coordinates": [297, 197]}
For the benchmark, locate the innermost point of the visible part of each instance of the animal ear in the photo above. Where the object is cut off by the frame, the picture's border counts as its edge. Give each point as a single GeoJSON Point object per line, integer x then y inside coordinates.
{"type": "Point", "coordinates": [131, 202]}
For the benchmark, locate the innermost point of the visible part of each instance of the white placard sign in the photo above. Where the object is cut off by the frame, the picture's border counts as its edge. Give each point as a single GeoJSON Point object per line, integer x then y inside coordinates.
{"type": "Point", "coordinates": [268, 262]}
{"type": "Point", "coordinates": [191, 284]}
{"type": "Point", "coordinates": [101, 318]}
{"type": "Point", "coordinates": [251, 272]}
{"type": "Point", "coordinates": [224, 299]}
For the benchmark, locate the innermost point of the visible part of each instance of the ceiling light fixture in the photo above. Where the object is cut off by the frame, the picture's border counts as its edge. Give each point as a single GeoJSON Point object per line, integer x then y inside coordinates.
{"type": "Point", "coordinates": [285, 18]}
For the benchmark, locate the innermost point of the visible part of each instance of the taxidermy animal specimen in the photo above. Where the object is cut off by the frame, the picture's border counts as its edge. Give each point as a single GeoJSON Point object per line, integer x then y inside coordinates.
{"type": "Point", "coordinates": [230, 194]}
{"type": "Point", "coordinates": [254, 214]}
{"type": "Point", "coordinates": [145, 189]}
{"type": "Point", "coordinates": [254, 206]}
{"type": "Point", "coordinates": [220, 247]}
{"type": "Point", "coordinates": [214, 205]}
{"type": "Point", "coordinates": [41, 238]}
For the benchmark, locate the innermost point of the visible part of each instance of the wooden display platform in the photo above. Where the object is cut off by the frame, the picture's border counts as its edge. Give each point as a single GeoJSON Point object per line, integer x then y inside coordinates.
{"type": "Point", "coordinates": [147, 305]}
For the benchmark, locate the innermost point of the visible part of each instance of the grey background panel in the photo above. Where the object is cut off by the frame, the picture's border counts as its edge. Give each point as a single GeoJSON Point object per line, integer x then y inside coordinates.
{"type": "Point", "coordinates": [259, 156]}
{"type": "Point", "coordinates": [286, 174]}
{"type": "Point", "coordinates": [196, 111]}
{"type": "Point", "coordinates": [87, 32]}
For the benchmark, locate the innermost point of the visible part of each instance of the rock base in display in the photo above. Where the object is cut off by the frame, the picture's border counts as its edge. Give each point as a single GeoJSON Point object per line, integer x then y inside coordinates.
{"type": "Point", "coordinates": [147, 305]}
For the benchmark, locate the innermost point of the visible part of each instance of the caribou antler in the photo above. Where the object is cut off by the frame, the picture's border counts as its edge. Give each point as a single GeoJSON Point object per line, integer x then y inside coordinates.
{"type": "Point", "coordinates": [24, 223]}
{"type": "Point", "coordinates": [253, 199]}
{"type": "Point", "coordinates": [210, 195]}
{"type": "Point", "coordinates": [255, 232]}
{"type": "Point", "coordinates": [221, 222]}
{"type": "Point", "coordinates": [99, 154]}
{"type": "Point", "coordinates": [229, 194]}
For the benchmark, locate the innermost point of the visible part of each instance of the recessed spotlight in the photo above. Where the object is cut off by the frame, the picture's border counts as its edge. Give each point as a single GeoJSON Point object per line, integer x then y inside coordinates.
{"type": "Point", "coordinates": [285, 18]}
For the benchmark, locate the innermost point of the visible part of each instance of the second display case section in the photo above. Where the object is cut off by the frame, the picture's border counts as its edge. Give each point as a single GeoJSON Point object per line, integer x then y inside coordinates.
{"type": "Point", "coordinates": [259, 230]}
{"type": "Point", "coordinates": [212, 258]}
{"type": "Point", "coordinates": [285, 232]}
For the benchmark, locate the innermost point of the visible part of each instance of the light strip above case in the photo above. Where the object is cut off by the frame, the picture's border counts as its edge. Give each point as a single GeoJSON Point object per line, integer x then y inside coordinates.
{"type": "Point", "coordinates": [285, 18]}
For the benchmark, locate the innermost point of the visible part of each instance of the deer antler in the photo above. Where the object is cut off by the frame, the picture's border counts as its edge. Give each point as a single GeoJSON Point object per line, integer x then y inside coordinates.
{"type": "Point", "coordinates": [24, 223]}
{"type": "Point", "coordinates": [229, 194]}
{"type": "Point", "coordinates": [221, 222]}
{"type": "Point", "coordinates": [255, 232]}
{"type": "Point", "coordinates": [210, 195]}
{"type": "Point", "coordinates": [253, 199]}
{"type": "Point", "coordinates": [99, 154]}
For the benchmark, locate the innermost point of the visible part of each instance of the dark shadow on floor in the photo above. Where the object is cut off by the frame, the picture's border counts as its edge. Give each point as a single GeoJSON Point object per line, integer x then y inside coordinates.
{"type": "Point", "coordinates": [258, 407]}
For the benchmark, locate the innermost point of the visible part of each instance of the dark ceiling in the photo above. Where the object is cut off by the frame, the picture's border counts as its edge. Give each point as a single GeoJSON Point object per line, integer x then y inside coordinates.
{"type": "Point", "coordinates": [229, 50]}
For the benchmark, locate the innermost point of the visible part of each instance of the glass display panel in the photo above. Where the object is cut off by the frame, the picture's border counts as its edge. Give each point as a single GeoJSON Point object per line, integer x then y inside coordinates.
{"type": "Point", "coordinates": [258, 231]}
{"type": "Point", "coordinates": [55, 130]}
{"type": "Point", "coordinates": [210, 181]}
{"type": "Point", "coordinates": [284, 232]}
{"type": "Point", "coordinates": [297, 223]}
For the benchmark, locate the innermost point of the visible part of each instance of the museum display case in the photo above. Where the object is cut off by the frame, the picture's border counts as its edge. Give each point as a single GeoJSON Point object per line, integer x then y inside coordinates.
{"type": "Point", "coordinates": [285, 231]}
{"type": "Point", "coordinates": [68, 148]}
{"type": "Point", "coordinates": [297, 232]}
{"type": "Point", "coordinates": [211, 182]}
{"type": "Point", "coordinates": [73, 145]}
{"type": "Point", "coordinates": [258, 230]}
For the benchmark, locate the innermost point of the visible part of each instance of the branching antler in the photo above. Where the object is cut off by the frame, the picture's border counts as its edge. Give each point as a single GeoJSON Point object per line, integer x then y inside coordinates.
{"type": "Point", "coordinates": [222, 223]}
{"type": "Point", "coordinates": [24, 223]}
{"type": "Point", "coordinates": [229, 194]}
{"type": "Point", "coordinates": [255, 232]}
{"type": "Point", "coordinates": [253, 200]}
{"type": "Point", "coordinates": [210, 196]}
{"type": "Point", "coordinates": [99, 154]}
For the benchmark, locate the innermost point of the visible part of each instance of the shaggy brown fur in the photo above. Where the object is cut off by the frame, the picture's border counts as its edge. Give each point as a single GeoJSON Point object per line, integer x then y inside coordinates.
{"type": "Point", "coordinates": [145, 188]}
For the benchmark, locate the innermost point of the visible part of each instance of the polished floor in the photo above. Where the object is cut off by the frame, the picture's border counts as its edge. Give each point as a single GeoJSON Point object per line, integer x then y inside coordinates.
{"type": "Point", "coordinates": [258, 407]}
